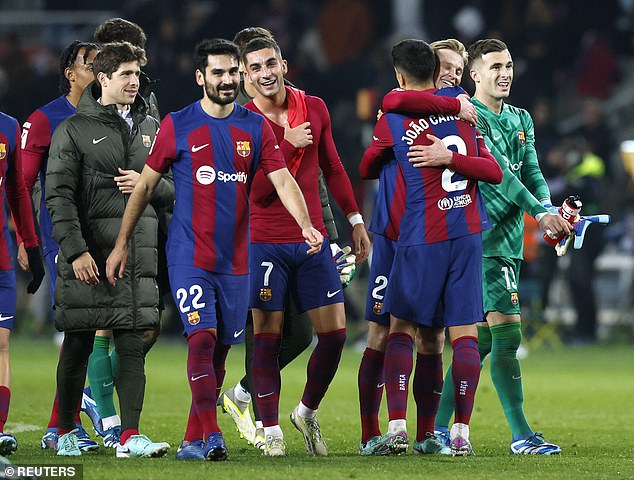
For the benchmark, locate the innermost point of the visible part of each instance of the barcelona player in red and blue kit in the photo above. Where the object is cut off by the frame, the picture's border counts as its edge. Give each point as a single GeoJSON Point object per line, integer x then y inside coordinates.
{"type": "Point", "coordinates": [435, 275]}
{"type": "Point", "coordinates": [14, 192]}
{"type": "Point", "coordinates": [279, 264]}
{"type": "Point", "coordinates": [215, 148]}
{"type": "Point", "coordinates": [75, 75]}
{"type": "Point", "coordinates": [385, 225]}
{"type": "Point", "coordinates": [36, 140]}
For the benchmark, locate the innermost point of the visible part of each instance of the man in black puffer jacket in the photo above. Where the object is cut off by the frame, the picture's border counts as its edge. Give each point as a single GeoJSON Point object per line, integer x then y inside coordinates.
{"type": "Point", "coordinates": [110, 131]}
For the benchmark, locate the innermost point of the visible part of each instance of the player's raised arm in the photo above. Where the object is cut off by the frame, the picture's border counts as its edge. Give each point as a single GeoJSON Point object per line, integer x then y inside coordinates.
{"type": "Point", "coordinates": [379, 150]}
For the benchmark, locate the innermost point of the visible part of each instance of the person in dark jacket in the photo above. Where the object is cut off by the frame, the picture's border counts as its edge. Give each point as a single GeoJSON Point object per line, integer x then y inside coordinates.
{"type": "Point", "coordinates": [102, 362]}
{"type": "Point", "coordinates": [111, 131]}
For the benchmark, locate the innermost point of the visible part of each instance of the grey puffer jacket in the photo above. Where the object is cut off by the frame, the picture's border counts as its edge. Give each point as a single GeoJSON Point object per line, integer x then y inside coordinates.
{"type": "Point", "coordinates": [86, 208]}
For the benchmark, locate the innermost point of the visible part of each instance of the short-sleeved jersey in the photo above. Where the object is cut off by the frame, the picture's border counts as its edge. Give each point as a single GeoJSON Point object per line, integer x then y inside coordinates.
{"type": "Point", "coordinates": [440, 204]}
{"type": "Point", "coordinates": [270, 221]}
{"type": "Point", "coordinates": [214, 161]}
{"type": "Point", "coordinates": [36, 141]}
{"type": "Point", "coordinates": [511, 138]}
{"type": "Point", "coordinates": [14, 192]}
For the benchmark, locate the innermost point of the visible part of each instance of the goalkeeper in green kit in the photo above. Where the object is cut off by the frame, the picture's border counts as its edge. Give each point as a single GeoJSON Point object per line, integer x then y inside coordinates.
{"type": "Point", "coordinates": [509, 134]}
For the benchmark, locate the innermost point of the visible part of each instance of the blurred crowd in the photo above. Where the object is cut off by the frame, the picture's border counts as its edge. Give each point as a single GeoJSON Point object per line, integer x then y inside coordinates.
{"type": "Point", "coordinates": [571, 57]}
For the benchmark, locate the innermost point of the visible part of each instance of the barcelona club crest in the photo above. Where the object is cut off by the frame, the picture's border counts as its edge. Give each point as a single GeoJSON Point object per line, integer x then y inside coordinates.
{"type": "Point", "coordinates": [147, 142]}
{"type": "Point", "coordinates": [515, 299]}
{"type": "Point", "coordinates": [3, 150]}
{"type": "Point", "coordinates": [378, 306]}
{"type": "Point", "coordinates": [522, 136]}
{"type": "Point", "coordinates": [193, 318]}
{"type": "Point", "coordinates": [243, 148]}
{"type": "Point", "coordinates": [265, 294]}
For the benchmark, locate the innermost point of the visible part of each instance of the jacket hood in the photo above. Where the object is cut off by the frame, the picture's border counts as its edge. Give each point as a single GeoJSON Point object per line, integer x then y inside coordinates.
{"type": "Point", "coordinates": [89, 106]}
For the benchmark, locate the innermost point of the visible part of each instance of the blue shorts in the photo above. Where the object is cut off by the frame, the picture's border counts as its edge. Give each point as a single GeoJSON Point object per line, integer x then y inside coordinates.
{"type": "Point", "coordinates": [51, 264]}
{"type": "Point", "coordinates": [278, 269]}
{"type": "Point", "coordinates": [211, 300]}
{"type": "Point", "coordinates": [8, 298]}
{"type": "Point", "coordinates": [437, 277]}
{"type": "Point", "coordinates": [383, 250]}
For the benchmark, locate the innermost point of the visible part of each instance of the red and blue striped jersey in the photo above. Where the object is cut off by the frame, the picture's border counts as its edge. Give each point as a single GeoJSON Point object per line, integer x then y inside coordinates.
{"type": "Point", "coordinates": [390, 198]}
{"type": "Point", "coordinates": [214, 161]}
{"type": "Point", "coordinates": [36, 141]}
{"type": "Point", "coordinates": [13, 192]}
{"type": "Point", "coordinates": [390, 201]}
{"type": "Point", "coordinates": [441, 203]}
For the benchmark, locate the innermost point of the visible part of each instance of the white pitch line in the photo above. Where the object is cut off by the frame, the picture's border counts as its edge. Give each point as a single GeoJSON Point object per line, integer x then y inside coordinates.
{"type": "Point", "coordinates": [21, 427]}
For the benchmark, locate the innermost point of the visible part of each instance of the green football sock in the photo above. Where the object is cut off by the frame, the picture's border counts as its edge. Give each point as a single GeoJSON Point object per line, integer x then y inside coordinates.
{"type": "Point", "coordinates": [507, 375]}
{"type": "Point", "coordinates": [446, 408]}
{"type": "Point", "coordinates": [113, 362]}
{"type": "Point", "coordinates": [101, 377]}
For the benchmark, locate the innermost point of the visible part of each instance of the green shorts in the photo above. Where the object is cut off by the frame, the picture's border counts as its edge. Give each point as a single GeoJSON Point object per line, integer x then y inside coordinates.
{"type": "Point", "coordinates": [500, 283]}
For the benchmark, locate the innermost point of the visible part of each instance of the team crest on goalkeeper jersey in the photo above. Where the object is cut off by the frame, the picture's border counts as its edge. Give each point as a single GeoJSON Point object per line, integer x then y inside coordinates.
{"type": "Point", "coordinates": [378, 306]}
{"type": "Point", "coordinates": [522, 136]}
{"type": "Point", "coordinates": [265, 294]}
{"type": "Point", "coordinates": [147, 141]}
{"type": "Point", "coordinates": [243, 148]}
{"type": "Point", "coordinates": [3, 150]}
{"type": "Point", "coordinates": [193, 318]}
{"type": "Point", "coordinates": [515, 299]}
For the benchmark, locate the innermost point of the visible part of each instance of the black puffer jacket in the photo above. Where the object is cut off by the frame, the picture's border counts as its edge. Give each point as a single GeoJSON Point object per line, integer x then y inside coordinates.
{"type": "Point", "coordinates": [86, 207]}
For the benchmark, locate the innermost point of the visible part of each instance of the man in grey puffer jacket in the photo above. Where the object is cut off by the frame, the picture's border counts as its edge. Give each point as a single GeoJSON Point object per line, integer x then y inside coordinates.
{"type": "Point", "coordinates": [110, 131]}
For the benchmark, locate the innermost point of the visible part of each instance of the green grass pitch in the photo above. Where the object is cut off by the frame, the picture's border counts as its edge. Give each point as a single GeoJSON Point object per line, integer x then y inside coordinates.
{"type": "Point", "coordinates": [580, 398]}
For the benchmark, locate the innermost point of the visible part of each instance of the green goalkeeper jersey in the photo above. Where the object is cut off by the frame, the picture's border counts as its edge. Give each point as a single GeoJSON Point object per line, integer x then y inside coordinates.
{"type": "Point", "coordinates": [511, 138]}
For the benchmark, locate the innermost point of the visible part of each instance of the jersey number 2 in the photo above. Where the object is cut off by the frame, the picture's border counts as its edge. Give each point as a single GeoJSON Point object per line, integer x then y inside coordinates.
{"type": "Point", "coordinates": [447, 184]}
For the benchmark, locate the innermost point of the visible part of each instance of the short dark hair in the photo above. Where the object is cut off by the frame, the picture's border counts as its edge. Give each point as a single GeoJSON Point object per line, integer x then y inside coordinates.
{"type": "Point", "coordinates": [120, 30]}
{"type": "Point", "coordinates": [487, 45]}
{"type": "Point", "coordinates": [112, 55]}
{"type": "Point", "coordinates": [214, 46]}
{"type": "Point", "coordinates": [245, 35]}
{"type": "Point", "coordinates": [259, 43]}
{"type": "Point", "coordinates": [68, 58]}
{"type": "Point", "coordinates": [415, 59]}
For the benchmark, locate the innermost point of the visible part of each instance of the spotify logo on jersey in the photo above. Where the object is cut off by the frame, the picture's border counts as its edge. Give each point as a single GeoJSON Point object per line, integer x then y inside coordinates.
{"type": "Point", "coordinates": [205, 175]}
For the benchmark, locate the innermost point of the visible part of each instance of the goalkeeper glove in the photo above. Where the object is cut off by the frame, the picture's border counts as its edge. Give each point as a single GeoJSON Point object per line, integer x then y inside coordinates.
{"type": "Point", "coordinates": [582, 225]}
{"type": "Point", "coordinates": [578, 233]}
{"type": "Point", "coordinates": [36, 267]}
{"type": "Point", "coordinates": [345, 263]}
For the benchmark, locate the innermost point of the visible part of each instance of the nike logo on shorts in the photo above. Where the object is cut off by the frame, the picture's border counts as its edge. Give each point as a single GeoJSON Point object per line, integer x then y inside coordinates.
{"type": "Point", "coordinates": [237, 333]}
{"type": "Point", "coordinates": [380, 385]}
{"type": "Point", "coordinates": [106, 385]}
{"type": "Point", "coordinates": [193, 379]}
{"type": "Point", "coordinates": [3, 318]}
{"type": "Point", "coordinates": [196, 149]}
{"type": "Point", "coordinates": [265, 395]}
{"type": "Point", "coordinates": [95, 141]}
{"type": "Point", "coordinates": [330, 294]}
